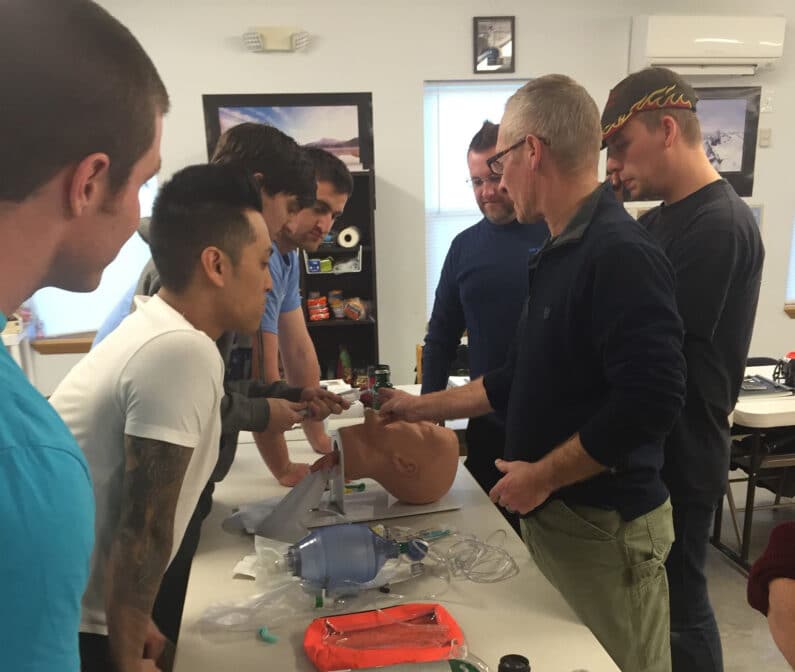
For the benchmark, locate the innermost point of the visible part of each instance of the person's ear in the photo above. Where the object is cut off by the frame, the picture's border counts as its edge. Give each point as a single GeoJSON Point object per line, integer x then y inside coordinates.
{"type": "Point", "coordinates": [533, 146]}
{"type": "Point", "coordinates": [215, 265]}
{"type": "Point", "coordinates": [88, 187]}
{"type": "Point", "coordinates": [404, 466]}
{"type": "Point", "coordinates": [670, 130]}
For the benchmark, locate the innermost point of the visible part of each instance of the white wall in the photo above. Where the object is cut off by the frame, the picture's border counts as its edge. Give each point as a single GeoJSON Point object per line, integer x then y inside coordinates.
{"type": "Point", "coordinates": [50, 370]}
{"type": "Point", "coordinates": [390, 49]}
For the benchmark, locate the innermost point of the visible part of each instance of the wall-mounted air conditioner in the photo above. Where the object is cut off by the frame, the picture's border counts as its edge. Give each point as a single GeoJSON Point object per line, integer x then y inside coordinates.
{"type": "Point", "coordinates": [707, 45]}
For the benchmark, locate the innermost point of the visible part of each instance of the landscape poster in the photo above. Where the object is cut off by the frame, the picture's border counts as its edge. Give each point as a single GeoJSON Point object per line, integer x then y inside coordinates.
{"type": "Point", "coordinates": [729, 119]}
{"type": "Point", "coordinates": [340, 123]}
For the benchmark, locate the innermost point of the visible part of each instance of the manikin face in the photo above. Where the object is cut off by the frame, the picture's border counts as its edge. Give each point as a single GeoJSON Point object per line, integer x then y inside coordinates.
{"type": "Point", "coordinates": [635, 154]}
{"type": "Point", "coordinates": [415, 462]}
{"type": "Point", "coordinates": [309, 226]}
{"type": "Point", "coordinates": [246, 290]}
{"type": "Point", "coordinates": [97, 236]}
{"type": "Point", "coordinates": [492, 199]}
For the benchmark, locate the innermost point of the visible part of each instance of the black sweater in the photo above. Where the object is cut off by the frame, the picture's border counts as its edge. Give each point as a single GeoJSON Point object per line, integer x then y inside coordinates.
{"type": "Point", "coordinates": [482, 288]}
{"type": "Point", "coordinates": [598, 351]}
{"type": "Point", "coordinates": [713, 243]}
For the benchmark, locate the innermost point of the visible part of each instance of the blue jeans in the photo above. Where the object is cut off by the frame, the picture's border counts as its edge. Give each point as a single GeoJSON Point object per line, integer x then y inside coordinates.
{"type": "Point", "coordinates": [695, 642]}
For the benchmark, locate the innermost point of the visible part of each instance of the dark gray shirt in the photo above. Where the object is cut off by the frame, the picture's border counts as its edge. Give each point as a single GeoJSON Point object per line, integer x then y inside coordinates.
{"type": "Point", "coordinates": [712, 241]}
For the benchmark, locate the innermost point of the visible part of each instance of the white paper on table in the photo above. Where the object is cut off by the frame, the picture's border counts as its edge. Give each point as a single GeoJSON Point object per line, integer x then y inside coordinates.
{"type": "Point", "coordinates": [246, 566]}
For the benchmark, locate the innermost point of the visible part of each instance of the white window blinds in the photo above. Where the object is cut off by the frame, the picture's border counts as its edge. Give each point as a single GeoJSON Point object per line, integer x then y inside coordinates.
{"type": "Point", "coordinates": [454, 111]}
{"type": "Point", "coordinates": [61, 312]}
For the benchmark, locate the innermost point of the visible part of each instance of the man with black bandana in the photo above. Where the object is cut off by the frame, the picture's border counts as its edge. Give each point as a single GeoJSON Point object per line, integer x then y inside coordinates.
{"type": "Point", "coordinates": [655, 150]}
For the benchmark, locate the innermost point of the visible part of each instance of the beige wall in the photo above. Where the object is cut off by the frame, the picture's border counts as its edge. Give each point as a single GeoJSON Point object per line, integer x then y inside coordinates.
{"type": "Point", "coordinates": [390, 48]}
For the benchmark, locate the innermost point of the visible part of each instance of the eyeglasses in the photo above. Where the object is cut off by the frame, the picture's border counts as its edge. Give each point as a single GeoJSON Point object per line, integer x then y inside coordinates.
{"type": "Point", "coordinates": [478, 182]}
{"type": "Point", "coordinates": [495, 162]}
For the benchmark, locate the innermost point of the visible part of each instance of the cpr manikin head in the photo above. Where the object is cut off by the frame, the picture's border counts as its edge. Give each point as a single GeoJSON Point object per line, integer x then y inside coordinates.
{"type": "Point", "coordinates": [415, 462]}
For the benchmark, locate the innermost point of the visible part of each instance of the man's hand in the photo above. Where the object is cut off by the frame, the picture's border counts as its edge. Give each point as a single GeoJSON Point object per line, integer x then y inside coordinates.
{"type": "Point", "coordinates": [284, 414]}
{"type": "Point", "coordinates": [316, 435]}
{"type": "Point", "coordinates": [781, 615]}
{"type": "Point", "coordinates": [137, 665]}
{"type": "Point", "coordinates": [523, 488]}
{"type": "Point", "coordinates": [322, 403]}
{"type": "Point", "coordinates": [400, 405]}
{"type": "Point", "coordinates": [292, 474]}
{"type": "Point", "coordinates": [326, 462]}
{"type": "Point", "coordinates": [155, 642]}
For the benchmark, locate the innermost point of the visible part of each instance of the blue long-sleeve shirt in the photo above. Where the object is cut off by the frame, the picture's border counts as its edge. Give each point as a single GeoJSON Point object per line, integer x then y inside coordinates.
{"type": "Point", "coordinates": [482, 288]}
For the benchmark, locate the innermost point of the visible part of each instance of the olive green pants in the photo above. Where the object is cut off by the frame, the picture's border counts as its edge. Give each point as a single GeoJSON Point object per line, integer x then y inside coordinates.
{"type": "Point", "coordinates": [612, 574]}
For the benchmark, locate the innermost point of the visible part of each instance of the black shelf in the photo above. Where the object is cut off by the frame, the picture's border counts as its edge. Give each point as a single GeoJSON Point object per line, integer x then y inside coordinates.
{"type": "Point", "coordinates": [359, 337]}
{"type": "Point", "coordinates": [339, 323]}
{"type": "Point", "coordinates": [336, 249]}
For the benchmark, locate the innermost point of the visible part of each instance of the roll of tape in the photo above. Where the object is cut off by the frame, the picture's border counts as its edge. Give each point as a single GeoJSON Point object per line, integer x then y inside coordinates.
{"type": "Point", "coordinates": [348, 237]}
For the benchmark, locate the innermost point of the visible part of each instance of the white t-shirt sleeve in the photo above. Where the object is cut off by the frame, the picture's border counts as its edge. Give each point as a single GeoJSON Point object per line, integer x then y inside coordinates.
{"type": "Point", "coordinates": [171, 388]}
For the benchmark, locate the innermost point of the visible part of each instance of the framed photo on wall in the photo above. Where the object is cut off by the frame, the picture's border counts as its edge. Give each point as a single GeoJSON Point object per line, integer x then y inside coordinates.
{"type": "Point", "coordinates": [340, 123]}
{"type": "Point", "coordinates": [494, 44]}
{"type": "Point", "coordinates": [729, 118]}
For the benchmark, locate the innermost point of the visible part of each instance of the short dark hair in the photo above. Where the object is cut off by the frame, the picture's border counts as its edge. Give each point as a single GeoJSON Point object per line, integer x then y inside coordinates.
{"type": "Point", "coordinates": [485, 138]}
{"type": "Point", "coordinates": [200, 206]}
{"type": "Point", "coordinates": [260, 148]}
{"type": "Point", "coordinates": [329, 168]}
{"type": "Point", "coordinates": [75, 81]}
{"type": "Point", "coordinates": [686, 120]}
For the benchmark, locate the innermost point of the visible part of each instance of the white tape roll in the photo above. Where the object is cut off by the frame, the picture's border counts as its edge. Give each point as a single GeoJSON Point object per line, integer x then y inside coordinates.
{"type": "Point", "coordinates": [348, 237]}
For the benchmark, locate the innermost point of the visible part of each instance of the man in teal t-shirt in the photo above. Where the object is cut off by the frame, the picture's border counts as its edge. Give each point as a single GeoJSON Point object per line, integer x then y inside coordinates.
{"type": "Point", "coordinates": [73, 162]}
{"type": "Point", "coordinates": [47, 527]}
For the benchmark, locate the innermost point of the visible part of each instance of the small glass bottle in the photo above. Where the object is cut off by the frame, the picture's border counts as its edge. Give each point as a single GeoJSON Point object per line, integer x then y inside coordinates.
{"type": "Point", "coordinates": [513, 662]}
{"type": "Point", "coordinates": [382, 378]}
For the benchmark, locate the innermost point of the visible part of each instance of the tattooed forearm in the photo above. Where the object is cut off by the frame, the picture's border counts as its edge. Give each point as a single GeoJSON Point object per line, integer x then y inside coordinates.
{"type": "Point", "coordinates": [152, 482]}
{"type": "Point", "coordinates": [153, 476]}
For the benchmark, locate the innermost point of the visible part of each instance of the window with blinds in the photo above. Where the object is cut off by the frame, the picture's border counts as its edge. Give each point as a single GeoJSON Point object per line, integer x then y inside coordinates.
{"type": "Point", "coordinates": [454, 111]}
{"type": "Point", "coordinates": [60, 312]}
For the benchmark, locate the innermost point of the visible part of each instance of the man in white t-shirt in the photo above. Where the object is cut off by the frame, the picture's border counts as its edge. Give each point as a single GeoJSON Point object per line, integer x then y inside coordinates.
{"type": "Point", "coordinates": [144, 404]}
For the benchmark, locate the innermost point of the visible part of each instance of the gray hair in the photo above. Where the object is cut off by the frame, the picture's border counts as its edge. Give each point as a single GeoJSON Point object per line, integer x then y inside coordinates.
{"type": "Point", "coordinates": [561, 111]}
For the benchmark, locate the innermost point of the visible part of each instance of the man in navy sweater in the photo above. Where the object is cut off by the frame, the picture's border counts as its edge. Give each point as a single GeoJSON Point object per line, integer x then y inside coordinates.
{"type": "Point", "coordinates": [592, 385]}
{"type": "Point", "coordinates": [482, 289]}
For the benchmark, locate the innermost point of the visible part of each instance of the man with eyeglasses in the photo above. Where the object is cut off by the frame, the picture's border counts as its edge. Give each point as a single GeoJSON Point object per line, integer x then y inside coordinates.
{"type": "Point", "coordinates": [592, 385]}
{"type": "Point", "coordinates": [482, 288]}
